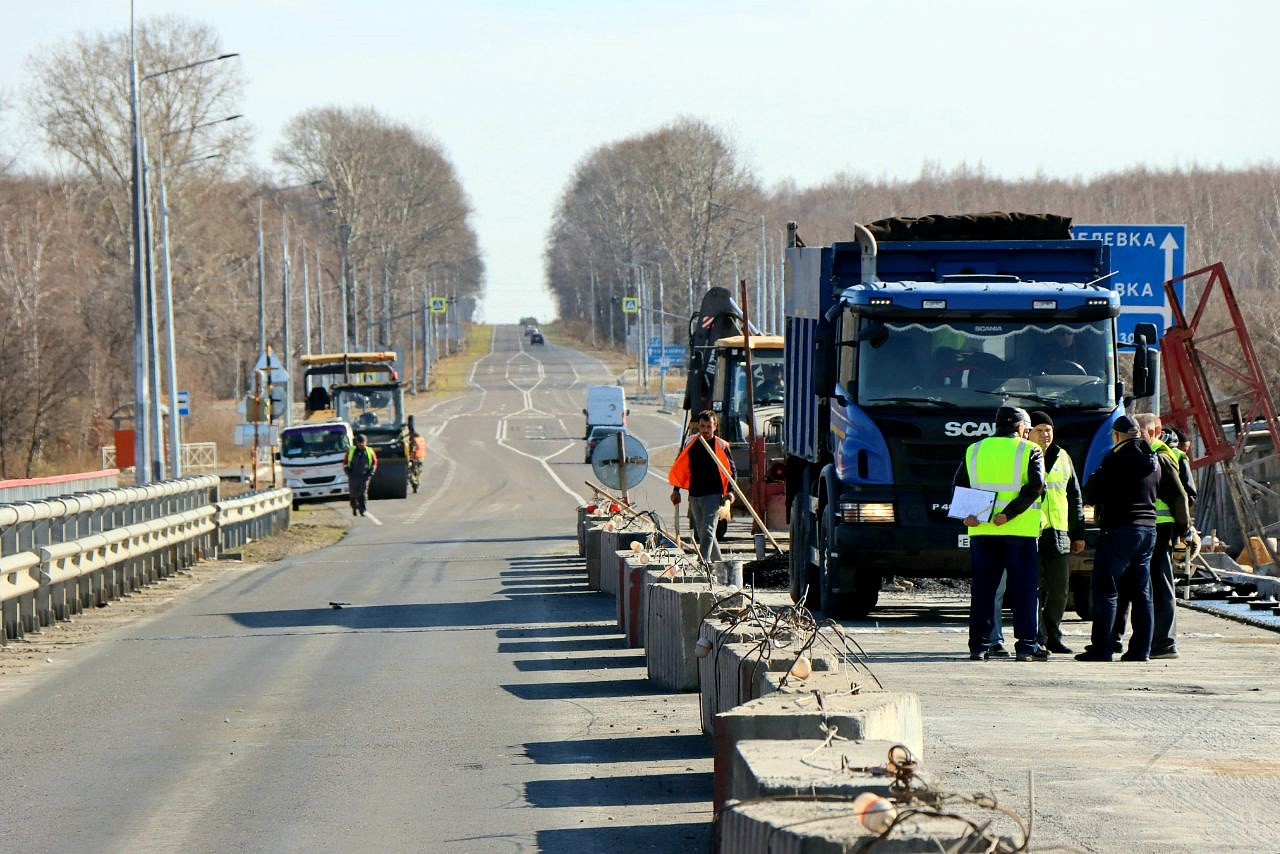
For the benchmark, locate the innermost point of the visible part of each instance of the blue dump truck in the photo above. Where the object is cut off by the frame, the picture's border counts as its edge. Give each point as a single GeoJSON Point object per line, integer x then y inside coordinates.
{"type": "Point", "coordinates": [900, 346]}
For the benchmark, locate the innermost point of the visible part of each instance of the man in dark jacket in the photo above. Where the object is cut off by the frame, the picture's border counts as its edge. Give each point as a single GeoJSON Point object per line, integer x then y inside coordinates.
{"type": "Point", "coordinates": [1061, 531]}
{"type": "Point", "coordinates": [360, 463]}
{"type": "Point", "coordinates": [1123, 491]}
{"type": "Point", "coordinates": [1173, 519]}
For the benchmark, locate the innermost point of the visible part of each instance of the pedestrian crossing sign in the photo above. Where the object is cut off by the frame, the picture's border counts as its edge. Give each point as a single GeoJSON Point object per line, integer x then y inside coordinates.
{"type": "Point", "coordinates": [438, 305]}
{"type": "Point", "coordinates": [630, 305]}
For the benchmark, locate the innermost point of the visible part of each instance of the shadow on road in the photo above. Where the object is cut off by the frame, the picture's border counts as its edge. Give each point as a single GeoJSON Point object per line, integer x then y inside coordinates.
{"type": "Point", "coordinates": [630, 749]}
{"type": "Point", "coordinates": [693, 836]}
{"type": "Point", "coordinates": [582, 690]}
{"type": "Point", "coordinates": [559, 631]}
{"type": "Point", "coordinates": [579, 662]}
{"type": "Point", "coordinates": [682, 788]}
{"type": "Point", "coordinates": [580, 645]}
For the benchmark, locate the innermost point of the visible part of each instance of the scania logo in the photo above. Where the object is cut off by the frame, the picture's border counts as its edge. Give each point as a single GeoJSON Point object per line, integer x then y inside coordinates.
{"type": "Point", "coordinates": [969, 428]}
{"type": "Point", "coordinates": [988, 328]}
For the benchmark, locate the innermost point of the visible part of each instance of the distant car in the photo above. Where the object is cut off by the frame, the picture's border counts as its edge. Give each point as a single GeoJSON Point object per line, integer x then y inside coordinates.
{"type": "Point", "coordinates": [529, 330]}
{"type": "Point", "coordinates": [599, 434]}
{"type": "Point", "coordinates": [535, 338]}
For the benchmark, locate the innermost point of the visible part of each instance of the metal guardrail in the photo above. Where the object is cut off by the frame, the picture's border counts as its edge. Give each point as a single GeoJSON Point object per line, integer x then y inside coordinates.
{"type": "Point", "coordinates": [60, 556]}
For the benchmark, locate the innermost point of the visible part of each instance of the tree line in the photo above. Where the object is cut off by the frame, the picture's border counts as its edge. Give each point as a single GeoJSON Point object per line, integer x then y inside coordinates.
{"type": "Point", "coordinates": [680, 202]}
{"type": "Point", "coordinates": [365, 213]}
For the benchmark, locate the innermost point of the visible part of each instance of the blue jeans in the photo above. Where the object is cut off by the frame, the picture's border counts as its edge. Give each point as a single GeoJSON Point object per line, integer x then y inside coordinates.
{"type": "Point", "coordinates": [1164, 602]}
{"type": "Point", "coordinates": [990, 557]}
{"type": "Point", "coordinates": [1122, 566]}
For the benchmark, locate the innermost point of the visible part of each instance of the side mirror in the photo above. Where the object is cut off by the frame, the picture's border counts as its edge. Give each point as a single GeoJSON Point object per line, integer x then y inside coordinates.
{"type": "Point", "coordinates": [584, 412]}
{"type": "Point", "coordinates": [1144, 360]}
{"type": "Point", "coordinates": [276, 455]}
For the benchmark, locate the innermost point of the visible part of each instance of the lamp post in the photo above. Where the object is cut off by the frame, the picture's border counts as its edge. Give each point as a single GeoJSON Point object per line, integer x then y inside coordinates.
{"type": "Point", "coordinates": [147, 459]}
{"type": "Point", "coordinates": [175, 435]}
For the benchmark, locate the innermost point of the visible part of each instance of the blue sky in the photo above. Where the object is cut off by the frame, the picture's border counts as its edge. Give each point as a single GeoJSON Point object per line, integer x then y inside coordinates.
{"type": "Point", "coordinates": [518, 92]}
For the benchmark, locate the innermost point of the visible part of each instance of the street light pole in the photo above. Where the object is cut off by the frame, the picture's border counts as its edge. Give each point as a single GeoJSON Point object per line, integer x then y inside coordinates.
{"type": "Point", "coordinates": [286, 356]}
{"type": "Point", "coordinates": [156, 430]}
{"type": "Point", "coordinates": [141, 392]}
{"type": "Point", "coordinates": [148, 460]}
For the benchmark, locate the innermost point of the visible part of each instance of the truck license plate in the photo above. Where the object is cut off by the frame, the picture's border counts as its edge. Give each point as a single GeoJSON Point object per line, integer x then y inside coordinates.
{"type": "Point", "coordinates": [963, 541]}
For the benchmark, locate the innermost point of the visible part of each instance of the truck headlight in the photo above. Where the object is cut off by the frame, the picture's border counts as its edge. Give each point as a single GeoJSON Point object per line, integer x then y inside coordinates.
{"type": "Point", "coordinates": [866, 511]}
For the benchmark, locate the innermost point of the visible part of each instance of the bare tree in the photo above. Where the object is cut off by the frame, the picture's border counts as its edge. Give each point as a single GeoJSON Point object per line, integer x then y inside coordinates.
{"type": "Point", "coordinates": [398, 207]}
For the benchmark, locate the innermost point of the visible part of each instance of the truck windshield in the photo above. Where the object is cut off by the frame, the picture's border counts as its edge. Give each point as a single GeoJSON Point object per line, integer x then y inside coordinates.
{"type": "Point", "coordinates": [766, 381]}
{"type": "Point", "coordinates": [312, 442]}
{"type": "Point", "coordinates": [368, 407]}
{"type": "Point", "coordinates": [1058, 364]}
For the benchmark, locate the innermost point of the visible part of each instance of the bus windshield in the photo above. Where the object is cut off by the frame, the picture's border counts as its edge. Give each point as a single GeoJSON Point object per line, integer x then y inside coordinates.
{"type": "Point", "coordinates": [934, 364]}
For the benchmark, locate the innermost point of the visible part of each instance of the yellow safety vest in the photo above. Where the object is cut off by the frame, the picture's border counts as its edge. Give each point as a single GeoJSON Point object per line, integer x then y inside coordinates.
{"type": "Point", "coordinates": [999, 464]}
{"type": "Point", "coordinates": [1163, 511]}
{"type": "Point", "coordinates": [1054, 511]}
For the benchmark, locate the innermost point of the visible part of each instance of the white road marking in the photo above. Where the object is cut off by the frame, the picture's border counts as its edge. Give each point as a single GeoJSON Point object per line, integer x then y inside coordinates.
{"type": "Point", "coordinates": [372, 518]}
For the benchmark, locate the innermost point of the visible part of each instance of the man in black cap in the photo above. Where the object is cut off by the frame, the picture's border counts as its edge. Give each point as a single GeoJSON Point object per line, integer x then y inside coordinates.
{"type": "Point", "coordinates": [1123, 491]}
{"type": "Point", "coordinates": [1011, 468]}
{"type": "Point", "coordinates": [1061, 534]}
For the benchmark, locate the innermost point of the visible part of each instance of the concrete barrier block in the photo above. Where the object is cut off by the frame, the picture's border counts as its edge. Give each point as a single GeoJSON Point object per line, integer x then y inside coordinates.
{"type": "Point", "coordinates": [741, 665]}
{"type": "Point", "coordinates": [594, 533]}
{"type": "Point", "coordinates": [585, 521]}
{"type": "Point", "coordinates": [614, 546]}
{"type": "Point", "coordinates": [771, 768]}
{"type": "Point", "coordinates": [825, 827]}
{"type": "Point", "coordinates": [673, 613]}
{"type": "Point", "coordinates": [880, 716]}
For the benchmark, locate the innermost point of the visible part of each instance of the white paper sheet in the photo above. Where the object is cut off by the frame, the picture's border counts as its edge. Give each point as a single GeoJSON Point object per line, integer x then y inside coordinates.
{"type": "Point", "coordinates": [972, 502]}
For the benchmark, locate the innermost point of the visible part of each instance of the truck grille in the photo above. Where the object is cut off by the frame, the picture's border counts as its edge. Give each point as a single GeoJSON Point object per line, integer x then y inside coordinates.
{"type": "Point", "coordinates": [317, 481]}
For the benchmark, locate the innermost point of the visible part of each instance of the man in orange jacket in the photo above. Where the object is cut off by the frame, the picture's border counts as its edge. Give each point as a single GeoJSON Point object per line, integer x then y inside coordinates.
{"type": "Point", "coordinates": [696, 471]}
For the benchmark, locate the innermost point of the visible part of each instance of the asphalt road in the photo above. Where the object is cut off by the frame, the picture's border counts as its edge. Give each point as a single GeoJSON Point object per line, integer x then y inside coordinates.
{"type": "Point", "coordinates": [471, 695]}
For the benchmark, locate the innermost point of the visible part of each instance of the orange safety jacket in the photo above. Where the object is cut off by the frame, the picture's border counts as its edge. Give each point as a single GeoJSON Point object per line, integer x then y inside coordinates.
{"type": "Point", "coordinates": [417, 447]}
{"type": "Point", "coordinates": [679, 474]}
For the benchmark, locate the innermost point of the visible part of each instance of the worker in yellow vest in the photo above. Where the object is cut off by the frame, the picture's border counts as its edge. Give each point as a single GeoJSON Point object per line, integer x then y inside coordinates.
{"type": "Point", "coordinates": [1010, 467]}
{"type": "Point", "coordinates": [1061, 531]}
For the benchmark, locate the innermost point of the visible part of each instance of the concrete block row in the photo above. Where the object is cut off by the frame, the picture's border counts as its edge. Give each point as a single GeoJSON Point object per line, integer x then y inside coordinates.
{"type": "Point", "coordinates": [775, 736]}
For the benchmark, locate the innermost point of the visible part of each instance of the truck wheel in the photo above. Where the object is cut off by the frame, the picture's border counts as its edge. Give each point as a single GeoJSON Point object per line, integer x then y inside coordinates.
{"type": "Point", "coordinates": [832, 604]}
{"type": "Point", "coordinates": [803, 578]}
{"type": "Point", "coordinates": [855, 604]}
{"type": "Point", "coordinates": [1082, 595]}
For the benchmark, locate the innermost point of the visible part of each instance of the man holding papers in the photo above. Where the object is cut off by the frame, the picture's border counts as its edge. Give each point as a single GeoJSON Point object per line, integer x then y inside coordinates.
{"type": "Point", "coordinates": [1010, 469]}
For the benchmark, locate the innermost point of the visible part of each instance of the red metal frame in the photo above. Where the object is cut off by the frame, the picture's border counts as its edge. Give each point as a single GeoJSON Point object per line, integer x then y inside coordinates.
{"type": "Point", "coordinates": [1191, 399]}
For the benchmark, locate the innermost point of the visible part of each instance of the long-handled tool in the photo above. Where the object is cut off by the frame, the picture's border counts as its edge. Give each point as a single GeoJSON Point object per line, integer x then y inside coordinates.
{"type": "Point", "coordinates": [724, 471]}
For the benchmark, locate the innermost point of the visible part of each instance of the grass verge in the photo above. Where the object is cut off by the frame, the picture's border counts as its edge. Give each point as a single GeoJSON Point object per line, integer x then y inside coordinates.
{"type": "Point", "coordinates": [450, 374]}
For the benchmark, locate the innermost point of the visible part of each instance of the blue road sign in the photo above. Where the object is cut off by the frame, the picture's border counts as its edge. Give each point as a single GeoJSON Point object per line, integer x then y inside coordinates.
{"type": "Point", "coordinates": [1143, 257]}
{"type": "Point", "coordinates": [184, 403]}
{"type": "Point", "coordinates": [672, 354]}
{"type": "Point", "coordinates": [630, 305]}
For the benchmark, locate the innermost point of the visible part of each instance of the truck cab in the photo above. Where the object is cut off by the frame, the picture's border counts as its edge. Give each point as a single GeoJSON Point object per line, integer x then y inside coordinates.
{"type": "Point", "coordinates": [740, 394]}
{"type": "Point", "coordinates": [312, 455]}
{"type": "Point", "coordinates": [899, 352]}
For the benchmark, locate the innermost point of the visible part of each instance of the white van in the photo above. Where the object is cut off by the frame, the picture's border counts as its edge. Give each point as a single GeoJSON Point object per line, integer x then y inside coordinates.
{"type": "Point", "coordinates": [606, 407]}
